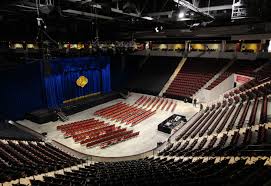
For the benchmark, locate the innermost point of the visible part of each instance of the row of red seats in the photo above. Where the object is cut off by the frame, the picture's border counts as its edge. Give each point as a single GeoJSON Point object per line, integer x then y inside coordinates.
{"type": "Point", "coordinates": [253, 112]}
{"type": "Point", "coordinates": [60, 127]}
{"type": "Point", "coordinates": [207, 125]}
{"type": "Point", "coordinates": [251, 90]}
{"type": "Point", "coordinates": [244, 115]}
{"type": "Point", "coordinates": [97, 127]}
{"type": "Point", "coordinates": [98, 131]}
{"type": "Point", "coordinates": [131, 116]}
{"type": "Point", "coordinates": [119, 113]}
{"type": "Point", "coordinates": [180, 93]}
{"type": "Point", "coordinates": [141, 118]}
{"type": "Point", "coordinates": [105, 135]}
{"type": "Point", "coordinates": [91, 126]}
{"type": "Point", "coordinates": [120, 139]}
{"type": "Point", "coordinates": [194, 74]}
{"type": "Point", "coordinates": [109, 109]}
{"type": "Point", "coordinates": [211, 130]}
{"type": "Point", "coordinates": [155, 102]}
{"type": "Point", "coordinates": [263, 118]}
{"type": "Point", "coordinates": [95, 132]}
{"type": "Point", "coordinates": [108, 138]}
{"type": "Point", "coordinates": [125, 113]}
{"type": "Point", "coordinates": [201, 125]}
{"type": "Point", "coordinates": [236, 113]}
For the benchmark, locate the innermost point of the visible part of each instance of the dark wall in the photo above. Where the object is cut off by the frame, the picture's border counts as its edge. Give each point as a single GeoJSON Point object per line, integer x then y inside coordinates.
{"type": "Point", "coordinates": [123, 68]}
{"type": "Point", "coordinates": [141, 74]}
{"type": "Point", "coordinates": [21, 90]}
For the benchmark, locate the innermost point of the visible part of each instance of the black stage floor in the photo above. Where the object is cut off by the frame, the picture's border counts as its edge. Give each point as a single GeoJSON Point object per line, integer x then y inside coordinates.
{"type": "Point", "coordinates": [83, 104]}
{"type": "Point", "coordinates": [45, 115]}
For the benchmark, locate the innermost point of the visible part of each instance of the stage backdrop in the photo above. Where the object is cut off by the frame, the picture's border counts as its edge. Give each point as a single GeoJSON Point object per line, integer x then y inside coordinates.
{"type": "Point", "coordinates": [61, 78]}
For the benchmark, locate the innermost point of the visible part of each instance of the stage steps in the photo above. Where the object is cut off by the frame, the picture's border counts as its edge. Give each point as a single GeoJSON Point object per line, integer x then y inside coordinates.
{"type": "Point", "coordinates": [62, 116]}
{"type": "Point", "coordinates": [177, 70]}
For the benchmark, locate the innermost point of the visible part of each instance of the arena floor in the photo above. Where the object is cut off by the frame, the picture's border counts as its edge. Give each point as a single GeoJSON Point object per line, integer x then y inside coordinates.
{"type": "Point", "coordinates": [147, 139]}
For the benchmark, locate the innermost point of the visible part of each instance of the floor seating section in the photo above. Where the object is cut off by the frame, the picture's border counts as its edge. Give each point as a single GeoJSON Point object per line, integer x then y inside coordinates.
{"type": "Point", "coordinates": [242, 67]}
{"type": "Point", "coordinates": [93, 133]}
{"type": "Point", "coordinates": [26, 158]}
{"type": "Point", "coordinates": [233, 113]}
{"type": "Point", "coordinates": [162, 171]}
{"type": "Point", "coordinates": [249, 143]}
{"type": "Point", "coordinates": [125, 113]}
{"type": "Point", "coordinates": [157, 103]}
{"type": "Point", "coordinates": [194, 75]}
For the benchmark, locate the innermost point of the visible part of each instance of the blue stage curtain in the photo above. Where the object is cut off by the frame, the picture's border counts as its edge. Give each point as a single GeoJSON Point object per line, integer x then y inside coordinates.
{"type": "Point", "coordinates": [106, 79]}
{"type": "Point", "coordinates": [54, 90]}
{"type": "Point", "coordinates": [61, 83]}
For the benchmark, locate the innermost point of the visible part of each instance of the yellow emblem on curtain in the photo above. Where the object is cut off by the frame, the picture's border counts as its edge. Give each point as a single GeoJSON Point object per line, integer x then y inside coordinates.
{"type": "Point", "coordinates": [82, 81]}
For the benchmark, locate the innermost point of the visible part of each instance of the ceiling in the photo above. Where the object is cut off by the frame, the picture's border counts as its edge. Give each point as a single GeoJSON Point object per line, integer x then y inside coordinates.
{"type": "Point", "coordinates": [80, 20]}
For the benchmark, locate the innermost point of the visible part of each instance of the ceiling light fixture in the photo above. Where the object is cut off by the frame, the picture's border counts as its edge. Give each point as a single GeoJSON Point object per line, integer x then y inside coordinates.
{"type": "Point", "coordinates": [181, 15]}
{"type": "Point", "coordinates": [148, 18]}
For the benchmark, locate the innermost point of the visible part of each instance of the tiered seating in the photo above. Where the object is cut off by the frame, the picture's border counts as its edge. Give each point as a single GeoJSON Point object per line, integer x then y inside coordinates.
{"type": "Point", "coordinates": [161, 171]}
{"type": "Point", "coordinates": [194, 74]}
{"type": "Point", "coordinates": [264, 73]}
{"type": "Point", "coordinates": [234, 117]}
{"type": "Point", "coordinates": [224, 116]}
{"type": "Point", "coordinates": [254, 86]}
{"type": "Point", "coordinates": [25, 158]}
{"type": "Point", "coordinates": [93, 132]}
{"type": "Point", "coordinates": [241, 67]}
{"type": "Point", "coordinates": [263, 118]}
{"type": "Point", "coordinates": [204, 147]}
{"type": "Point", "coordinates": [125, 113]}
{"type": "Point", "coordinates": [244, 114]}
{"type": "Point", "coordinates": [156, 103]}
{"type": "Point", "coordinates": [253, 112]}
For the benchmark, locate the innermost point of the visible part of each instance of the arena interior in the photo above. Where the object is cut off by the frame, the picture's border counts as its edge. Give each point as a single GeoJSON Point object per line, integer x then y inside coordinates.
{"type": "Point", "coordinates": [135, 92]}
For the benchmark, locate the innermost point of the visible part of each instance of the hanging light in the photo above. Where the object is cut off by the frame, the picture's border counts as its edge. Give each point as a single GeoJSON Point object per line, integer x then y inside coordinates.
{"type": "Point", "coordinates": [181, 15]}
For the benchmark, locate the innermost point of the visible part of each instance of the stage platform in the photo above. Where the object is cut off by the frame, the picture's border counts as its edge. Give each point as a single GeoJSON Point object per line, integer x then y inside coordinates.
{"type": "Point", "coordinates": [45, 115]}
{"type": "Point", "coordinates": [147, 139]}
{"type": "Point", "coordinates": [86, 103]}
{"type": "Point", "coordinates": [41, 116]}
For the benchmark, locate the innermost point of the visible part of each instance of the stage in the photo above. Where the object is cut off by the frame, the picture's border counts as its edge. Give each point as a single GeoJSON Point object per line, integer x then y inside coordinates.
{"type": "Point", "coordinates": [147, 139]}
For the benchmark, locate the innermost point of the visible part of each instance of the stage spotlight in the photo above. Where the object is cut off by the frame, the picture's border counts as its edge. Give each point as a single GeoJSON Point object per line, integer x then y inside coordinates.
{"type": "Point", "coordinates": [158, 29]}
{"type": "Point", "coordinates": [11, 122]}
{"type": "Point", "coordinates": [181, 15]}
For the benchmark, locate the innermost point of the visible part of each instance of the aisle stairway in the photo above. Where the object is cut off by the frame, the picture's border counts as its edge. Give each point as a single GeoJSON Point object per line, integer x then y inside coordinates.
{"type": "Point", "coordinates": [62, 116]}
{"type": "Point", "coordinates": [177, 70]}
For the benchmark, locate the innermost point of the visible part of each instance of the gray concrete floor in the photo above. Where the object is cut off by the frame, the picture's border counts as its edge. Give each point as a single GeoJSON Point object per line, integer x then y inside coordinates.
{"type": "Point", "coordinates": [147, 139]}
